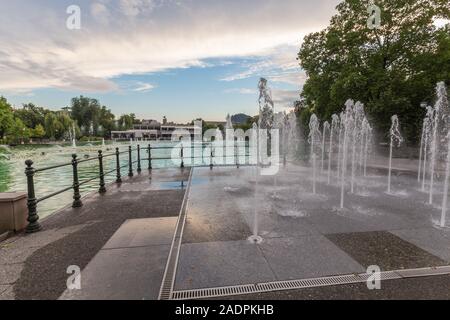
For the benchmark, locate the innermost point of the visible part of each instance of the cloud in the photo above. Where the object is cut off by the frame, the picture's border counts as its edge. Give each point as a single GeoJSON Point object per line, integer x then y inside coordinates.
{"type": "Point", "coordinates": [123, 37]}
{"type": "Point", "coordinates": [133, 8]}
{"type": "Point", "coordinates": [100, 12]}
{"type": "Point", "coordinates": [285, 98]}
{"type": "Point", "coordinates": [280, 65]}
{"type": "Point", "coordinates": [144, 87]}
{"type": "Point", "coordinates": [242, 91]}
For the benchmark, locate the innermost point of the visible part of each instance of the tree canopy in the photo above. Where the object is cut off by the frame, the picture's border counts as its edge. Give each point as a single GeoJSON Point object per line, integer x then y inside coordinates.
{"type": "Point", "coordinates": [6, 117]}
{"type": "Point", "coordinates": [391, 69]}
{"type": "Point", "coordinates": [31, 121]}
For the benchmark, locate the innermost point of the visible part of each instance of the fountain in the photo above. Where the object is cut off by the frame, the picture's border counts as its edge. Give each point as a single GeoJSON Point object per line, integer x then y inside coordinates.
{"type": "Point", "coordinates": [279, 123]}
{"type": "Point", "coordinates": [439, 123]}
{"type": "Point", "coordinates": [366, 140]}
{"type": "Point", "coordinates": [229, 124]}
{"type": "Point", "coordinates": [427, 127]}
{"type": "Point", "coordinates": [358, 118]}
{"type": "Point", "coordinates": [73, 136]}
{"type": "Point", "coordinates": [292, 136]}
{"type": "Point", "coordinates": [396, 140]}
{"type": "Point", "coordinates": [335, 124]}
{"type": "Point", "coordinates": [326, 127]}
{"type": "Point", "coordinates": [447, 176]}
{"type": "Point", "coordinates": [266, 120]}
{"type": "Point", "coordinates": [346, 127]}
{"type": "Point", "coordinates": [314, 136]}
{"type": "Point", "coordinates": [255, 238]}
{"type": "Point", "coordinates": [340, 140]}
{"type": "Point", "coordinates": [103, 143]}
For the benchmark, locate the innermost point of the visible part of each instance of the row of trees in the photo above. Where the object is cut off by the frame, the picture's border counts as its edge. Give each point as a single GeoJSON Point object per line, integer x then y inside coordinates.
{"type": "Point", "coordinates": [392, 68]}
{"type": "Point", "coordinates": [86, 117]}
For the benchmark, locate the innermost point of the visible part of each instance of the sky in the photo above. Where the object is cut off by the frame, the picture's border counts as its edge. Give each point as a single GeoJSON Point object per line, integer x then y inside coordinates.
{"type": "Point", "coordinates": [182, 59]}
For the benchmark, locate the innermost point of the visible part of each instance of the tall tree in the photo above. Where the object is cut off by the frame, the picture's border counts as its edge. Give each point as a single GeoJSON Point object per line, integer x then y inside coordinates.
{"type": "Point", "coordinates": [86, 112]}
{"type": "Point", "coordinates": [6, 117]}
{"type": "Point", "coordinates": [31, 115]}
{"type": "Point", "coordinates": [38, 132]}
{"type": "Point", "coordinates": [126, 121]}
{"type": "Point", "coordinates": [106, 121]}
{"type": "Point", "coordinates": [53, 127]}
{"type": "Point", "coordinates": [392, 69]}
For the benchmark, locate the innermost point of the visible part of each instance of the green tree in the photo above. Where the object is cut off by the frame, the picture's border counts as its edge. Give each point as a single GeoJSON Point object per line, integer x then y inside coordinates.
{"type": "Point", "coordinates": [31, 115]}
{"type": "Point", "coordinates": [126, 121]}
{"type": "Point", "coordinates": [38, 132]}
{"type": "Point", "coordinates": [6, 117]}
{"type": "Point", "coordinates": [86, 112]}
{"type": "Point", "coordinates": [107, 121]}
{"type": "Point", "coordinates": [53, 128]}
{"type": "Point", "coordinates": [391, 69]}
{"type": "Point", "coordinates": [18, 131]}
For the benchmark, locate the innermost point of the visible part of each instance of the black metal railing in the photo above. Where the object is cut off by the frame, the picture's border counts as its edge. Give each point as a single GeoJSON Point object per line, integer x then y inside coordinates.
{"type": "Point", "coordinates": [32, 202]}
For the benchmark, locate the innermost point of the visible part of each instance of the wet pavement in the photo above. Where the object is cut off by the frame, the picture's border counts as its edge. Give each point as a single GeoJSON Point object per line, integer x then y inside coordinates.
{"type": "Point", "coordinates": [35, 266]}
{"type": "Point", "coordinates": [122, 240]}
{"type": "Point", "coordinates": [305, 235]}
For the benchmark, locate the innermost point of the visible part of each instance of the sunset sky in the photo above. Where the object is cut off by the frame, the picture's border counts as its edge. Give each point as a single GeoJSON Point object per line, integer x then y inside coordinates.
{"type": "Point", "coordinates": [179, 58]}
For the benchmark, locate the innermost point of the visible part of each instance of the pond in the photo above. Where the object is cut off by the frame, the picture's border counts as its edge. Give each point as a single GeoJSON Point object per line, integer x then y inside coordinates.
{"type": "Point", "coordinates": [12, 167]}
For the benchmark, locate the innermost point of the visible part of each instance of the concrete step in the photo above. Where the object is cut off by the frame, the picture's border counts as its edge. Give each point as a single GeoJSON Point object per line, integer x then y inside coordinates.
{"type": "Point", "coordinates": [131, 265]}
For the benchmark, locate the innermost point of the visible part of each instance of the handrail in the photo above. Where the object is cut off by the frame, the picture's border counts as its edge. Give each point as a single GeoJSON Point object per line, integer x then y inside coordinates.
{"type": "Point", "coordinates": [32, 201]}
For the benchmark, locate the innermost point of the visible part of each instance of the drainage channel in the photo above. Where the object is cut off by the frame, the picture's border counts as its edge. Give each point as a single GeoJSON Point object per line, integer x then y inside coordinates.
{"type": "Point", "coordinates": [166, 290]}
{"type": "Point", "coordinates": [305, 283]}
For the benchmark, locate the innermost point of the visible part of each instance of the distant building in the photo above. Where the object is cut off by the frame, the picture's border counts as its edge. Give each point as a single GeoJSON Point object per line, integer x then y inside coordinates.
{"type": "Point", "coordinates": [167, 131]}
{"type": "Point", "coordinates": [151, 130]}
{"type": "Point", "coordinates": [148, 125]}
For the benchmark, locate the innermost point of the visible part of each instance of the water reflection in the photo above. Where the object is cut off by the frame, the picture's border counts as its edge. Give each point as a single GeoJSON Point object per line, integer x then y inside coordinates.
{"type": "Point", "coordinates": [12, 177]}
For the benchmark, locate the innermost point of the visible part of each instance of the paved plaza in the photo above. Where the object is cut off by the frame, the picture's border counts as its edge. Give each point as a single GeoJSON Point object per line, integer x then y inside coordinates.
{"type": "Point", "coordinates": [176, 230]}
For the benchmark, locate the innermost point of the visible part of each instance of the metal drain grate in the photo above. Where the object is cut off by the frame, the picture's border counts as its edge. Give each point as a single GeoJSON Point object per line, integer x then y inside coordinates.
{"type": "Point", "coordinates": [304, 283]}
{"type": "Point", "coordinates": [171, 266]}
{"type": "Point", "coordinates": [424, 272]}
{"type": "Point", "coordinates": [266, 287]}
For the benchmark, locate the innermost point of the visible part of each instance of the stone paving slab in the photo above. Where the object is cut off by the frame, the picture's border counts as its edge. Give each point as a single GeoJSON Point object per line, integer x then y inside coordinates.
{"type": "Point", "coordinates": [116, 274]}
{"type": "Point", "coordinates": [215, 264]}
{"type": "Point", "coordinates": [213, 227]}
{"type": "Point", "coordinates": [131, 265]}
{"type": "Point", "coordinates": [307, 257]}
{"type": "Point", "coordinates": [153, 185]}
{"type": "Point", "coordinates": [143, 232]}
{"type": "Point", "coordinates": [385, 250]}
{"type": "Point", "coordinates": [434, 241]}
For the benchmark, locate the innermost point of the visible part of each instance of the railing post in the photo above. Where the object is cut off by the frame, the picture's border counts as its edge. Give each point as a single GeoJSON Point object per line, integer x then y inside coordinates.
{"type": "Point", "coordinates": [211, 165]}
{"type": "Point", "coordinates": [182, 156]}
{"type": "Point", "coordinates": [236, 151]}
{"type": "Point", "coordinates": [139, 169]}
{"type": "Point", "coordinates": [76, 184]}
{"type": "Point", "coordinates": [118, 176]}
{"type": "Point", "coordinates": [150, 157]}
{"type": "Point", "coordinates": [130, 163]}
{"type": "Point", "coordinates": [192, 154]}
{"type": "Point", "coordinates": [102, 174]}
{"type": "Point", "coordinates": [33, 224]}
